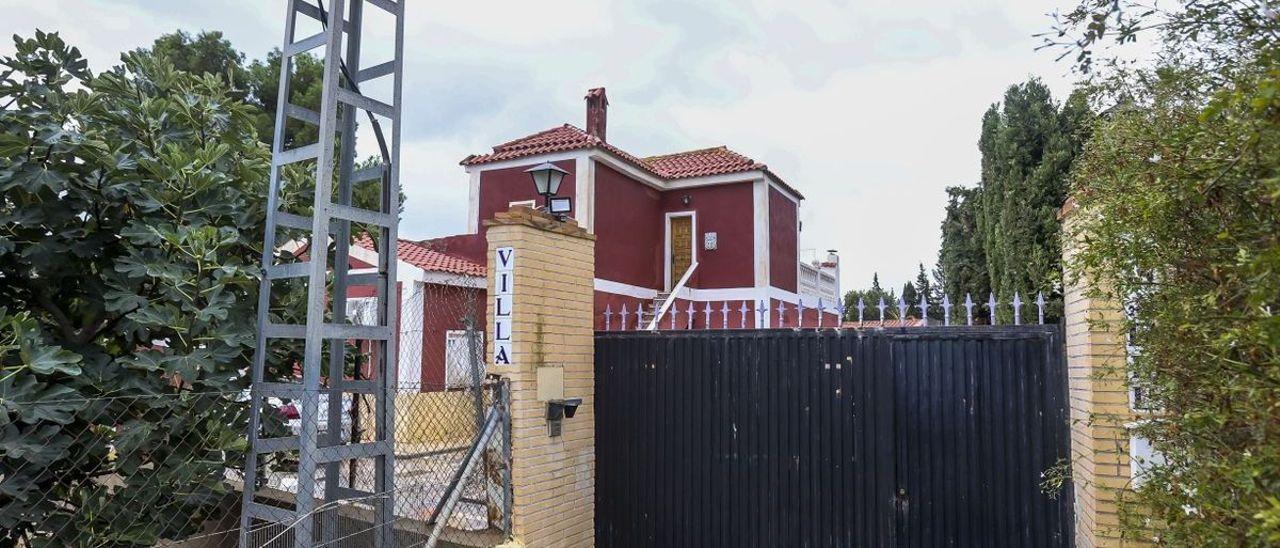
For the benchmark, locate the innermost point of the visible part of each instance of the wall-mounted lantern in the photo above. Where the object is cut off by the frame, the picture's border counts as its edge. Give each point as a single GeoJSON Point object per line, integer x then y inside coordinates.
{"type": "Point", "coordinates": [546, 179]}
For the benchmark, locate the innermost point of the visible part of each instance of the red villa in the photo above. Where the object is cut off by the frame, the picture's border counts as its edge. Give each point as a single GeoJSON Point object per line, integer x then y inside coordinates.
{"type": "Point", "coordinates": [728, 222]}
{"type": "Point", "coordinates": [713, 231]}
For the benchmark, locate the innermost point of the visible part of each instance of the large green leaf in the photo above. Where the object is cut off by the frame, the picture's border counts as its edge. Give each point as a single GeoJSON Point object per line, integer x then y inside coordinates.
{"type": "Point", "coordinates": [33, 401]}
{"type": "Point", "coordinates": [46, 359]}
{"type": "Point", "coordinates": [11, 145]}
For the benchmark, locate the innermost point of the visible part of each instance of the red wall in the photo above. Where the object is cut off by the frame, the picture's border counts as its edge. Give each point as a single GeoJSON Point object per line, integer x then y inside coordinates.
{"type": "Point", "coordinates": [628, 229]}
{"type": "Point", "coordinates": [726, 210]}
{"type": "Point", "coordinates": [783, 241]}
{"type": "Point", "coordinates": [500, 187]}
{"type": "Point", "coordinates": [444, 308]}
{"type": "Point", "coordinates": [472, 247]}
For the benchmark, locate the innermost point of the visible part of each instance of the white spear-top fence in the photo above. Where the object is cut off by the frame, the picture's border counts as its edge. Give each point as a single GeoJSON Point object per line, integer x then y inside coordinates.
{"type": "Point", "coordinates": [632, 314]}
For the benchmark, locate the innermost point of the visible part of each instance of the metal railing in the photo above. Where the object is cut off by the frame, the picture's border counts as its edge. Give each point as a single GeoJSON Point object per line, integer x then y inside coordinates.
{"type": "Point", "coordinates": [820, 314]}
{"type": "Point", "coordinates": [671, 297]}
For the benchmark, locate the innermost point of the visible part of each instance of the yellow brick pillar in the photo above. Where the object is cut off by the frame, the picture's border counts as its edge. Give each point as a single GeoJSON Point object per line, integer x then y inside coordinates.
{"type": "Point", "coordinates": [541, 286]}
{"type": "Point", "coordinates": [1099, 398]}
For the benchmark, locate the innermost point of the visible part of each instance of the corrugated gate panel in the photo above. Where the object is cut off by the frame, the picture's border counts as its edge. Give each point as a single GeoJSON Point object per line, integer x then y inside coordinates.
{"type": "Point", "coordinates": [911, 437]}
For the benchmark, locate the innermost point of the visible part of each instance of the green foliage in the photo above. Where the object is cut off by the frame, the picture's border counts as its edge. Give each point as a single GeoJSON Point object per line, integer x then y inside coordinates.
{"type": "Point", "coordinates": [1003, 236]}
{"type": "Point", "coordinates": [871, 299]}
{"type": "Point", "coordinates": [1213, 35]}
{"type": "Point", "coordinates": [924, 287]}
{"type": "Point", "coordinates": [205, 53]}
{"type": "Point", "coordinates": [1179, 196]}
{"type": "Point", "coordinates": [962, 259]}
{"type": "Point", "coordinates": [910, 297]}
{"type": "Point", "coordinates": [131, 226]}
{"type": "Point", "coordinates": [257, 83]}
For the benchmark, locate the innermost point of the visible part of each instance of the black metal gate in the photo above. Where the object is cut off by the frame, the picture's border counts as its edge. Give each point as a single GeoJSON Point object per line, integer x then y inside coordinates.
{"type": "Point", "coordinates": [913, 437]}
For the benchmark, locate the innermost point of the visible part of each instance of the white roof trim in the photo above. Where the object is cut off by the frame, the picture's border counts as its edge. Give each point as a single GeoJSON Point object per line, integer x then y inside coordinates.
{"type": "Point", "coordinates": [409, 272]}
{"type": "Point", "coordinates": [404, 270]}
{"type": "Point", "coordinates": [530, 159]}
{"type": "Point", "coordinates": [617, 163]}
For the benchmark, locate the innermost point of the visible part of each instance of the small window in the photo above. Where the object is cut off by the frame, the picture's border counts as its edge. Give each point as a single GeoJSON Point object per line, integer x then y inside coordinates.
{"type": "Point", "coordinates": [459, 371]}
{"type": "Point", "coordinates": [362, 310]}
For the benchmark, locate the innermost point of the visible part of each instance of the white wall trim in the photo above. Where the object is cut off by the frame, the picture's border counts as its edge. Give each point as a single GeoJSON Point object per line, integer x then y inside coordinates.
{"type": "Point", "coordinates": [776, 184]}
{"type": "Point", "coordinates": [455, 280]}
{"type": "Point", "coordinates": [750, 294]}
{"type": "Point", "coordinates": [412, 294]}
{"type": "Point", "coordinates": [667, 274]}
{"type": "Point", "coordinates": [626, 290]}
{"type": "Point", "coordinates": [473, 202]}
{"type": "Point", "coordinates": [760, 225]}
{"type": "Point", "coordinates": [617, 164]}
{"type": "Point", "coordinates": [584, 180]}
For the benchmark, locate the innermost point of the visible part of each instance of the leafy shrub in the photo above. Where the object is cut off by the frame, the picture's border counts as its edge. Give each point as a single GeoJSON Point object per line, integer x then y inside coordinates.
{"type": "Point", "coordinates": [131, 227]}
{"type": "Point", "coordinates": [1179, 193]}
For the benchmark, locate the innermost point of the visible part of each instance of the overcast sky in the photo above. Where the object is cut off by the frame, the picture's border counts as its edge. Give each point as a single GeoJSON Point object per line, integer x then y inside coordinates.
{"type": "Point", "coordinates": [871, 108]}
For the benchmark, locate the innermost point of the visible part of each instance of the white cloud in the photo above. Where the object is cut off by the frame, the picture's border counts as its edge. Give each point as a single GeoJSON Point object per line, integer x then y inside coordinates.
{"type": "Point", "coordinates": [869, 107]}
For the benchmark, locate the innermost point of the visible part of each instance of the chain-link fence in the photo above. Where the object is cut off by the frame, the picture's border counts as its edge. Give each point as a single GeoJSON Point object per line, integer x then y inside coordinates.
{"type": "Point", "coordinates": [452, 457]}
{"type": "Point", "coordinates": [445, 483]}
{"type": "Point", "coordinates": [164, 467]}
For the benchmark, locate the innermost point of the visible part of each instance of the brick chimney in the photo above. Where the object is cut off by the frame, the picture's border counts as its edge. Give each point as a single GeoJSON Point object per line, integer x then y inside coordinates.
{"type": "Point", "coordinates": [597, 112]}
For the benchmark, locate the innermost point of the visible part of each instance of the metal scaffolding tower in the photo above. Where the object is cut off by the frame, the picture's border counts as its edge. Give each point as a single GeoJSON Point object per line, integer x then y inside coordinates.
{"type": "Point", "coordinates": [341, 104]}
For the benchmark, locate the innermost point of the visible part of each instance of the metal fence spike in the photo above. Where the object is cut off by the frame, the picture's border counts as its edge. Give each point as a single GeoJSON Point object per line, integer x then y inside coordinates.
{"type": "Point", "coordinates": [706, 316]}
{"type": "Point", "coordinates": [881, 306]}
{"type": "Point", "coordinates": [1040, 307]}
{"type": "Point", "coordinates": [623, 317]}
{"type": "Point", "coordinates": [724, 315]}
{"type": "Point", "coordinates": [675, 311]}
{"type": "Point", "coordinates": [742, 324]}
{"type": "Point", "coordinates": [689, 320]}
{"type": "Point", "coordinates": [1017, 308]}
{"type": "Point", "coordinates": [861, 306]}
{"type": "Point", "coordinates": [946, 310]}
{"type": "Point", "coordinates": [924, 311]}
{"type": "Point", "coordinates": [608, 315]}
{"type": "Point", "coordinates": [991, 306]}
{"type": "Point", "coordinates": [639, 316]}
{"type": "Point", "coordinates": [968, 307]}
{"type": "Point", "coordinates": [902, 310]}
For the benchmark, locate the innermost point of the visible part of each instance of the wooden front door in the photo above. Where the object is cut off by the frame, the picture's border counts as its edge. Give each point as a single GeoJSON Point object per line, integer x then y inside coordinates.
{"type": "Point", "coordinates": [681, 252]}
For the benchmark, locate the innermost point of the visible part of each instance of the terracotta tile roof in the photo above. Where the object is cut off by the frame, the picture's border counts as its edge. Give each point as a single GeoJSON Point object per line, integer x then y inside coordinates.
{"type": "Point", "coordinates": [420, 256]}
{"type": "Point", "coordinates": [681, 165]}
{"type": "Point", "coordinates": [556, 139]}
{"type": "Point", "coordinates": [697, 163]}
{"type": "Point", "coordinates": [869, 324]}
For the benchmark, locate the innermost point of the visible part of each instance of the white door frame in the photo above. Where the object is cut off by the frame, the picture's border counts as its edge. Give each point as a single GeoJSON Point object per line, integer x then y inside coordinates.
{"type": "Point", "coordinates": [667, 280]}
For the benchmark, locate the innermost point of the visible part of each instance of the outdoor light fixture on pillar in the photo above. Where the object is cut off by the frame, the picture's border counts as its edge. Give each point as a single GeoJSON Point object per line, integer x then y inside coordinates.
{"type": "Point", "coordinates": [546, 179]}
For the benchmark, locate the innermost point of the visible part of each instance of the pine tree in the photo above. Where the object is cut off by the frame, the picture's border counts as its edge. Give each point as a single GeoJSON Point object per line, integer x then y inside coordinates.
{"type": "Point", "coordinates": [922, 286]}
{"type": "Point", "coordinates": [909, 297]}
{"type": "Point", "coordinates": [1003, 235]}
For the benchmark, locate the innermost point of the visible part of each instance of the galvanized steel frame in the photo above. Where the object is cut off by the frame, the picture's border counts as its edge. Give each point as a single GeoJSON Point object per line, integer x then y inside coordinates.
{"type": "Point", "coordinates": [330, 219]}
